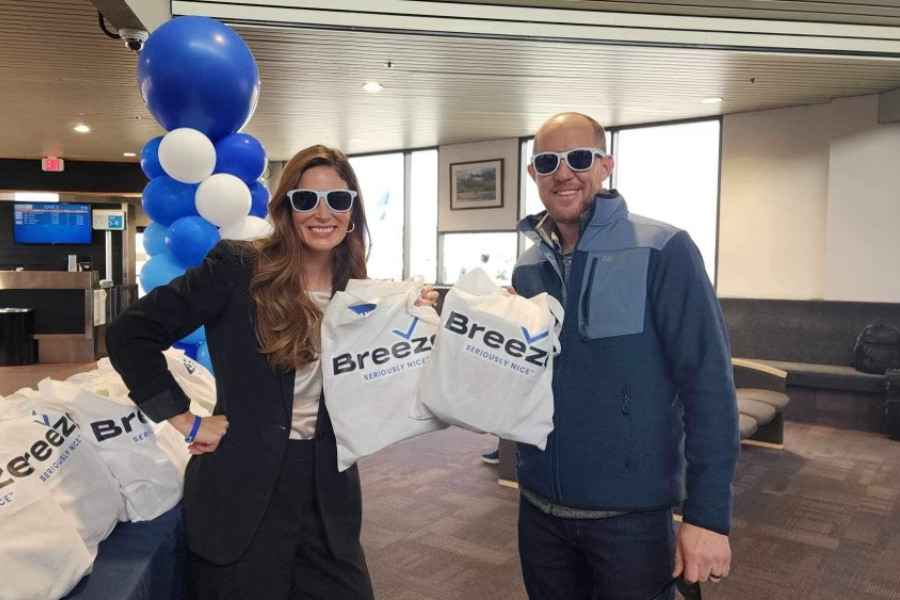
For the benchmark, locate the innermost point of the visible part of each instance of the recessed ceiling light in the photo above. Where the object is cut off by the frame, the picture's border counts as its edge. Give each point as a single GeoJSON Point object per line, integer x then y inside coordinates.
{"type": "Point", "coordinates": [715, 100]}
{"type": "Point", "coordinates": [82, 128]}
{"type": "Point", "coordinates": [373, 87]}
{"type": "Point", "coordinates": [129, 154]}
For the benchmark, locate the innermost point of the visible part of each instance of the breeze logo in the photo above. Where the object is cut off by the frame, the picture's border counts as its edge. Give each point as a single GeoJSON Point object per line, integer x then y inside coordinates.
{"type": "Point", "coordinates": [188, 365]}
{"type": "Point", "coordinates": [109, 428]}
{"type": "Point", "coordinates": [508, 349]}
{"type": "Point", "coordinates": [384, 361]}
{"type": "Point", "coordinates": [41, 450]}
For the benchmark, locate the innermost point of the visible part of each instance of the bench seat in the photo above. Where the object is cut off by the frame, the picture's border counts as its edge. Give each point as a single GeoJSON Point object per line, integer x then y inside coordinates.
{"type": "Point", "coordinates": [834, 377]}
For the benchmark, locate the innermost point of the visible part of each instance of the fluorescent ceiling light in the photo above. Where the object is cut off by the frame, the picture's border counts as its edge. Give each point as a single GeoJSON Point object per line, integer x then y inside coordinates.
{"type": "Point", "coordinates": [129, 154]}
{"type": "Point", "coordinates": [373, 87]}
{"type": "Point", "coordinates": [81, 128]}
{"type": "Point", "coordinates": [36, 197]}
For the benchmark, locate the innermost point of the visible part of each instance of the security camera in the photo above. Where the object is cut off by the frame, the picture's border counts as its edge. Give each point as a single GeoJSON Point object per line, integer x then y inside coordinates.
{"type": "Point", "coordinates": [134, 38]}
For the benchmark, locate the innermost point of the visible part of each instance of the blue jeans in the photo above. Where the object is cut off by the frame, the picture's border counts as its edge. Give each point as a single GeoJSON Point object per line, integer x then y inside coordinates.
{"type": "Point", "coordinates": [629, 557]}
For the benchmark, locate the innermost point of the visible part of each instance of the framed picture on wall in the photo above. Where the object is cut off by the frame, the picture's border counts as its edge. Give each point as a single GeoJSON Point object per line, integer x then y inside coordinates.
{"type": "Point", "coordinates": [475, 185]}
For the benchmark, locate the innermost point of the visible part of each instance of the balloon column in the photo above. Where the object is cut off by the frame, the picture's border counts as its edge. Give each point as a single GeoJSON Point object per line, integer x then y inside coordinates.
{"type": "Point", "coordinates": [200, 81]}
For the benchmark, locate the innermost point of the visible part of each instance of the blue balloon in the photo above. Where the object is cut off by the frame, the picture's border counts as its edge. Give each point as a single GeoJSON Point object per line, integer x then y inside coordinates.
{"type": "Point", "coordinates": [155, 239]}
{"type": "Point", "coordinates": [193, 338]}
{"type": "Point", "coordinates": [196, 72]}
{"type": "Point", "coordinates": [190, 238]}
{"type": "Point", "coordinates": [202, 356]}
{"type": "Point", "coordinates": [150, 159]}
{"type": "Point", "coordinates": [241, 155]}
{"type": "Point", "coordinates": [159, 270]}
{"type": "Point", "coordinates": [259, 198]}
{"type": "Point", "coordinates": [190, 350]}
{"type": "Point", "coordinates": [166, 200]}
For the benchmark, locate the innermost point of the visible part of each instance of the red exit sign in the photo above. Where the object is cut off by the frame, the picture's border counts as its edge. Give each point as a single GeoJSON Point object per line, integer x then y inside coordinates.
{"type": "Point", "coordinates": [51, 163]}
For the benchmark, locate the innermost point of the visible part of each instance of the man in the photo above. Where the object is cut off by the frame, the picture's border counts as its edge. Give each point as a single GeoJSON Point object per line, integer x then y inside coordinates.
{"type": "Point", "coordinates": [645, 409]}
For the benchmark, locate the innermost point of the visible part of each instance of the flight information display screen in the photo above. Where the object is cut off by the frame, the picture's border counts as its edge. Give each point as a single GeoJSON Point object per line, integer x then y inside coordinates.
{"type": "Point", "coordinates": [51, 223]}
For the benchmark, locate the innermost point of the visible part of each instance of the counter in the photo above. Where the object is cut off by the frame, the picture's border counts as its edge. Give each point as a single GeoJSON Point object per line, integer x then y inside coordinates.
{"type": "Point", "coordinates": [69, 313]}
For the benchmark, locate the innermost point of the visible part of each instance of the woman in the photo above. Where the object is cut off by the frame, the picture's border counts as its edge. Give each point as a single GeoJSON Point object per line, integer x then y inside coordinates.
{"type": "Point", "coordinates": [266, 512]}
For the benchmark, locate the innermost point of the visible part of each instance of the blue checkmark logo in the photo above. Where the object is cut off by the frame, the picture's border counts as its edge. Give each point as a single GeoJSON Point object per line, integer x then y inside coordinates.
{"type": "Point", "coordinates": [363, 308]}
{"type": "Point", "coordinates": [408, 333]}
{"type": "Point", "coordinates": [539, 336]}
{"type": "Point", "coordinates": [44, 421]}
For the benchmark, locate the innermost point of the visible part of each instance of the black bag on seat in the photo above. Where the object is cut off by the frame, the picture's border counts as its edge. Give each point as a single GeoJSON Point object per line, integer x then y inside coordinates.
{"type": "Point", "coordinates": [878, 348]}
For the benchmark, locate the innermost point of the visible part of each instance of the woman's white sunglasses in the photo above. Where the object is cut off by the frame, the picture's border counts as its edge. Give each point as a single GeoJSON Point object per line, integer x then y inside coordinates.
{"type": "Point", "coordinates": [305, 200]}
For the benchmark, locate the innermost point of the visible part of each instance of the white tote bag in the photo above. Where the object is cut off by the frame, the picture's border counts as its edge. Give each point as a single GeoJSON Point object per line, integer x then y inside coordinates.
{"type": "Point", "coordinates": [50, 448]}
{"type": "Point", "coordinates": [375, 343]}
{"type": "Point", "coordinates": [492, 367]}
{"type": "Point", "coordinates": [195, 379]}
{"type": "Point", "coordinates": [16, 404]}
{"type": "Point", "coordinates": [126, 440]}
{"type": "Point", "coordinates": [197, 382]}
{"type": "Point", "coordinates": [41, 554]}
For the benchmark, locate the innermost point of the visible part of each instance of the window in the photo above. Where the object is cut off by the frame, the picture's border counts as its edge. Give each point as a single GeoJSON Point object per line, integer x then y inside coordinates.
{"type": "Point", "coordinates": [493, 252]}
{"type": "Point", "coordinates": [531, 200]}
{"type": "Point", "coordinates": [140, 258]}
{"type": "Point", "coordinates": [423, 202]}
{"type": "Point", "coordinates": [671, 173]}
{"type": "Point", "coordinates": [381, 179]}
{"type": "Point", "coordinates": [400, 193]}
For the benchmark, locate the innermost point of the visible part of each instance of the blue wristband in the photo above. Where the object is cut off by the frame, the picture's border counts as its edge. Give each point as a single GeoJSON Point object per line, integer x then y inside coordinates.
{"type": "Point", "coordinates": [194, 428]}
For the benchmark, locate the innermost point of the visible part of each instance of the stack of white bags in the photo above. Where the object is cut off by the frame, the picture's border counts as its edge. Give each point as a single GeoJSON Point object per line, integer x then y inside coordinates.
{"type": "Point", "coordinates": [76, 457]}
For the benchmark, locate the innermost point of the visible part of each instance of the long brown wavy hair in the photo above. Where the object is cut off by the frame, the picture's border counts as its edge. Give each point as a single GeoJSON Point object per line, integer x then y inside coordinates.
{"type": "Point", "coordinates": [287, 320]}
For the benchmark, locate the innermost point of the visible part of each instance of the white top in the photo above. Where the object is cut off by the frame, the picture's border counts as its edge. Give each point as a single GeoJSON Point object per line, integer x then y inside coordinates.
{"type": "Point", "coordinates": [308, 386]}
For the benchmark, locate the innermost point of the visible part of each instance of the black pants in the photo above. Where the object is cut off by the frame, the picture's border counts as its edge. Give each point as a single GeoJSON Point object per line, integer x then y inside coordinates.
{"type": "Point", "coordinates": [289, 556]}
{"type": "Point", "coordinates": [629, 557]}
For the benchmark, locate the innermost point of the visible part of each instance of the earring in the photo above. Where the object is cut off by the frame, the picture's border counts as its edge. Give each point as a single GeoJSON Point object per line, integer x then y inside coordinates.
{"type": "Point", "coordinates": [352, 227]}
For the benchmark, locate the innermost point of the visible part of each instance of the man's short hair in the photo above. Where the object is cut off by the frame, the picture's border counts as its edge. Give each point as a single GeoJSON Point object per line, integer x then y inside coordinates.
{"type": "Point", "coordinates": [599, 132]}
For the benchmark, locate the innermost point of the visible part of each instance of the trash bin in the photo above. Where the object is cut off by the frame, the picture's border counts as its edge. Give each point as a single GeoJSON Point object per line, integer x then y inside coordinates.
{"type": "Point", "coordinates": [16, 341]}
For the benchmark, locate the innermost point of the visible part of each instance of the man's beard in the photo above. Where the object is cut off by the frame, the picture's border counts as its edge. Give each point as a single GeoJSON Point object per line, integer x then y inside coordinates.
{"type": "Point", "coordinates": [570, 215]}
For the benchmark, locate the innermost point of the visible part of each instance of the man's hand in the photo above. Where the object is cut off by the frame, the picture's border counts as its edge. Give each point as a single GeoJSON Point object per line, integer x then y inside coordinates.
{"type": "Point", "coordinates": [702, 555]}
{"type": "Point", "coordinates": [427, 297]}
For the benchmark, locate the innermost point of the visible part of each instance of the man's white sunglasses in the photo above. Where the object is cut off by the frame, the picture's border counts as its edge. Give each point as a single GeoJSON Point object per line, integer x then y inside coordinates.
{"type": "Point", "coordinates": [578, 159]}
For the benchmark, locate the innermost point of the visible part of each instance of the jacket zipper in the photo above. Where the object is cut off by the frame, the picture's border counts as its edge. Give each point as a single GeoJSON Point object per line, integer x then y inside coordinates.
{"type": "Point", "coordinates": [626, 411]}
{"type": "Point", "coordinates": [586, 297]}
{"type": "Point", "coordinates": [557, 367]}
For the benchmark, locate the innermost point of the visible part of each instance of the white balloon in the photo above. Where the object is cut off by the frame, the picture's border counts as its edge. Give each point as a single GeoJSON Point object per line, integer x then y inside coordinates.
{"type": "Point", "coordinates": [252, 228]}
{"type": "Point", "coordinates": [223, 199]}
{"type": "Point", "coordinates": [186, 155]}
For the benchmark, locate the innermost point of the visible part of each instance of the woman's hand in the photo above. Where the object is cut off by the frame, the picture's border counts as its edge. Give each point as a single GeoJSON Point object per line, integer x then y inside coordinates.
{"type": "Point", "coordinates": [209, 434]}
{"type": "Point", "coordinates": [427, 297]}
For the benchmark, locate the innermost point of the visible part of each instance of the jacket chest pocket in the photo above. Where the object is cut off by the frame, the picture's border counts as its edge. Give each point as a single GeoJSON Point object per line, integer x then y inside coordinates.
{"type": "Point", "coordinates": [613, 293]}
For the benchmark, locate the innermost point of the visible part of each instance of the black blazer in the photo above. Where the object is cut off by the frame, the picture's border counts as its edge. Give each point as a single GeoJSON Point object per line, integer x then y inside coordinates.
{"type": "Point", "coordinates": [226, 492]}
